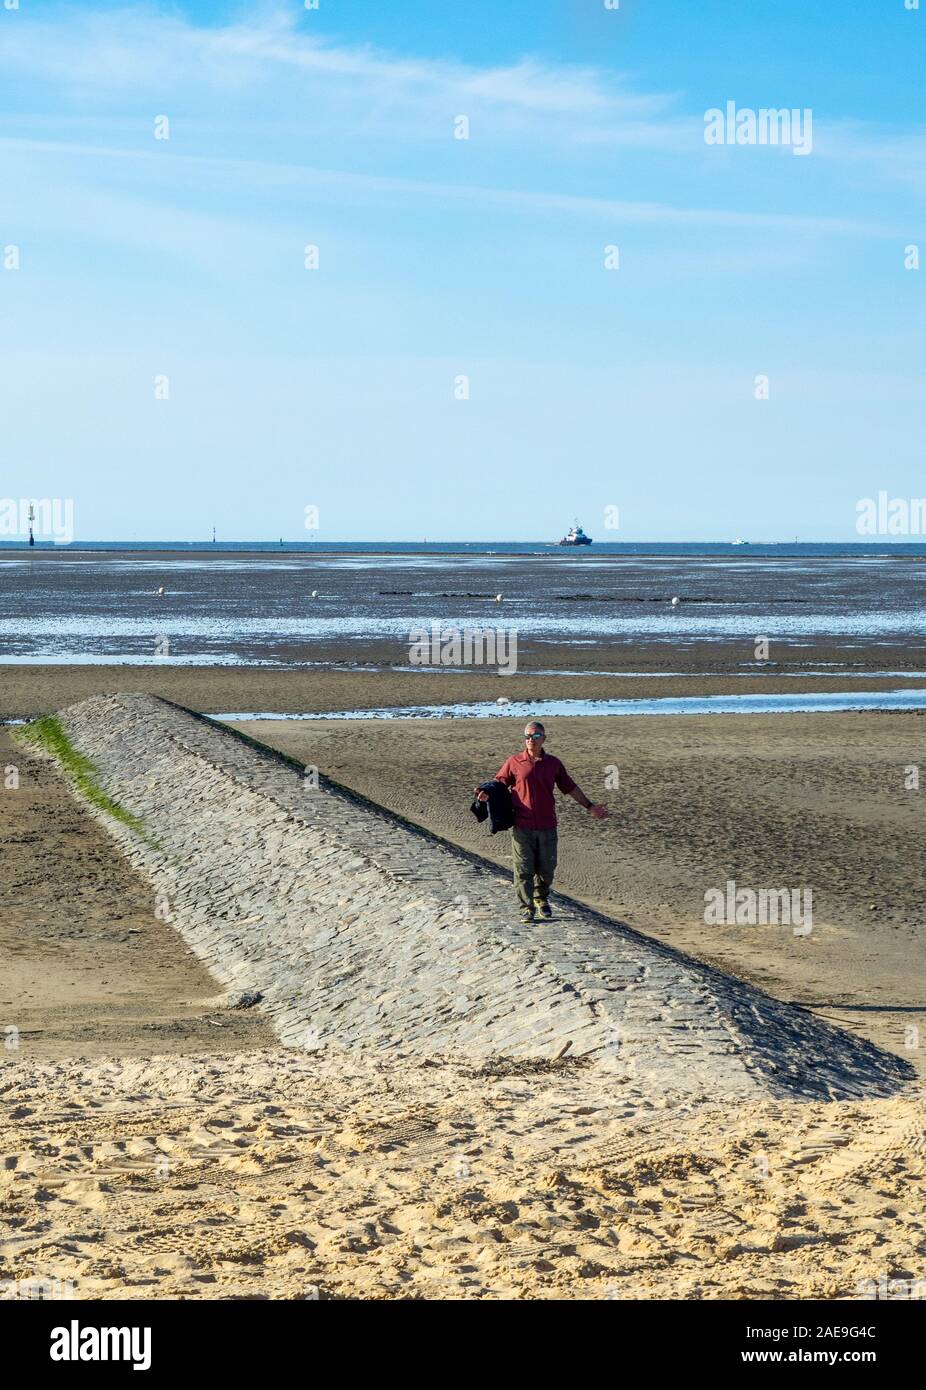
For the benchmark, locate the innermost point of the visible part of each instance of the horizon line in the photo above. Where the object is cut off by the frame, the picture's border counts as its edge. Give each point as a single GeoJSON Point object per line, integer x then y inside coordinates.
{"type": "Point", "coordinates": [169, 544]}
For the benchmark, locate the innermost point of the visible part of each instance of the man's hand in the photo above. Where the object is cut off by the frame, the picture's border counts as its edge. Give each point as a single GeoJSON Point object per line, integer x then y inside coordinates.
{"type": "Point", "coordinates": [480, 795]}
{"type": "Point", "coordinates": [598, 811]}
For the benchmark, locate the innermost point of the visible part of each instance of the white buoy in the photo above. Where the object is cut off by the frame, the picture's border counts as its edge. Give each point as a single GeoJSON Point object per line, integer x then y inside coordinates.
{"type": "Point", "coordinates": [498, 598]}
{"type": "Point", "coordinates": [161, 590]}
{"type": "Point", "coordinates": [503, 700]}
{"type": "Point", "coordinates": [676, 601]}
{"type": "Point", "coordinates": [314, 593]}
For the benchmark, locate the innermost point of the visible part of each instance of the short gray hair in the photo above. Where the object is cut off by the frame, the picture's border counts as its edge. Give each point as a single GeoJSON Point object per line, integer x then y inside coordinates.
{"type": "Point", "coordinates": [534, 724]}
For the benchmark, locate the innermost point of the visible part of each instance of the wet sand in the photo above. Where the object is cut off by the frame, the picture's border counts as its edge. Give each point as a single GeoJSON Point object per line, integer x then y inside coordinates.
{"type": "Point", "coordinates": [27, 691]}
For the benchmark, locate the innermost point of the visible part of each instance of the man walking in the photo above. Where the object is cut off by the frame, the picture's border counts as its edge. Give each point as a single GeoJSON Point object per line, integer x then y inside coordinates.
{"type": "Point", "coordinates": [531, 777]}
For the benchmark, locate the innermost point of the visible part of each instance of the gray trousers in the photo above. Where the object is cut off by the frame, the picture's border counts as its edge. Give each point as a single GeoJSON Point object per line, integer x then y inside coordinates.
{"type": "Point", "coordinates": [534, 855]}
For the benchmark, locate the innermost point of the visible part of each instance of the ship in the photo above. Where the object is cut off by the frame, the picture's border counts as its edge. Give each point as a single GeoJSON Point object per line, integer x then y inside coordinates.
{"type": "Point", "coordinates": [575, 536]}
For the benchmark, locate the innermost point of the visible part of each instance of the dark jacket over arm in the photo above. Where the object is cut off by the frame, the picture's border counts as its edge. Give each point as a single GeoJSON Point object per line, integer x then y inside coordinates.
{"type": "Point", "coordinates": [498, 807]}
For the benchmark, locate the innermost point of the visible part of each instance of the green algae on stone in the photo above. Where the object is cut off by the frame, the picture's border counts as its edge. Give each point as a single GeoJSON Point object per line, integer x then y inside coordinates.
{"type": "Point", "coordinates": [48, 734]}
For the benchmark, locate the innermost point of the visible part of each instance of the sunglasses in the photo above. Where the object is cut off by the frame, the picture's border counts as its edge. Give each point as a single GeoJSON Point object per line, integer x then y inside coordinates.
{"type": "Point", "coordinates": [528, 737]}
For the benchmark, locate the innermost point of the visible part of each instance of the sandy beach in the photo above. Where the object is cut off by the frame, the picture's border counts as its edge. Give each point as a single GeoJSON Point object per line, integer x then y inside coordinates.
{"type": "Point", "coordinates": [139, 1104]}
{"type": "Point", "coordinates": [262, 1175]}
{"type": "Point", "coordinates": [383, 381]}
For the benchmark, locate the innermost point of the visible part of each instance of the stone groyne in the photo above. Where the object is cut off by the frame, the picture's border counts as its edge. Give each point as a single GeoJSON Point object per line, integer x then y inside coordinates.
{"type": "Point", "coordinates": [361, 931]}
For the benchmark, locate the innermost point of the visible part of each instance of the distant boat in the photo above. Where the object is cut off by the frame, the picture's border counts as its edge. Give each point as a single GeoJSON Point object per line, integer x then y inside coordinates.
{"type": "Point", "coordinates": [575, 536]}
{"type": "Point", "coordinates": [739, 542]}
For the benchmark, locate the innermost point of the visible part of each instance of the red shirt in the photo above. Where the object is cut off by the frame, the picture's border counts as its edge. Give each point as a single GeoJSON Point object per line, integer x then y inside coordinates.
{"type": "Point", "coordinates": [532, 781]}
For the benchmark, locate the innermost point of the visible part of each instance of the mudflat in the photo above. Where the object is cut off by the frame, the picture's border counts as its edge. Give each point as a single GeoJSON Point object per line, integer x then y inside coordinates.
{"type": "Point", "coordinates": [615, 672]}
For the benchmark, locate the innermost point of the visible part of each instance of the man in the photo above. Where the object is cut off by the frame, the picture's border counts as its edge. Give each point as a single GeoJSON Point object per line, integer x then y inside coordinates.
{"type": "Point", "coordinates": [531, 777]}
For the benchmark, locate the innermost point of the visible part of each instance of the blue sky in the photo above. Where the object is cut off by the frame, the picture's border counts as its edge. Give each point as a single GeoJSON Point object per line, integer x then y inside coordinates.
{"type": "Point", "coordinates": [440, 258]}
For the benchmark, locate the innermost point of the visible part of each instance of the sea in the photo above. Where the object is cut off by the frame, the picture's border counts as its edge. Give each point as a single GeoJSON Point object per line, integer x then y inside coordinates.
{"type": "Point", "coordinates": [290, 603]}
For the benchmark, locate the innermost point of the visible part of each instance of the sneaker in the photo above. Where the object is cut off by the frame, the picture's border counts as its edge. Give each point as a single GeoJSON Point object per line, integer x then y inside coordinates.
{"type": "Point", "coordinates": [527, 915]}
{"type": "Point", "coordinates": [544, 908]}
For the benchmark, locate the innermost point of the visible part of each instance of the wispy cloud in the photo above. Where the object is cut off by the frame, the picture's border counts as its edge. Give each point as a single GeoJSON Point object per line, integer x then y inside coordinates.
{"type": "Point", "coordinates": [267, 67]}
{"type": "Point", "coordinates": [140, 51]}
{"type": "Point", "coordinates": [341, 187]}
